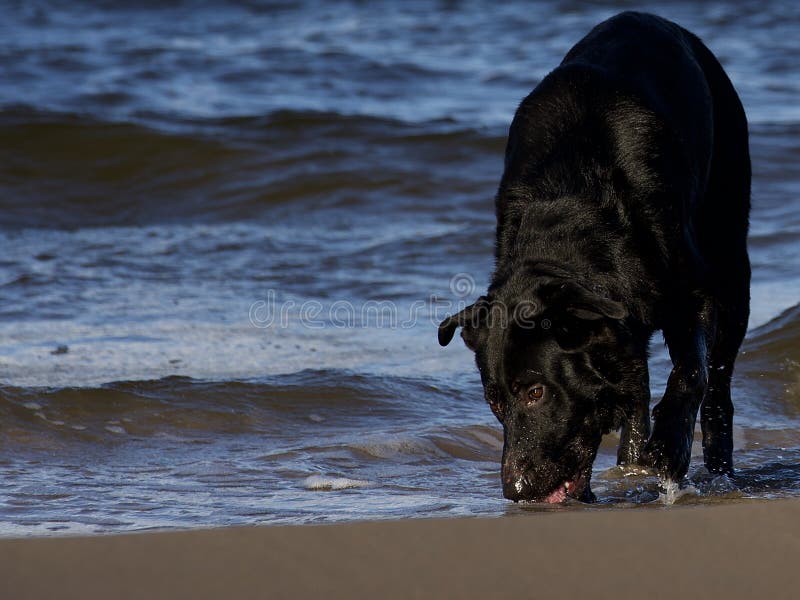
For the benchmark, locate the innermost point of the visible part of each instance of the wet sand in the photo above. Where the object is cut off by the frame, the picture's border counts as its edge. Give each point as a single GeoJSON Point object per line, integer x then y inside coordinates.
{"type": "Point", "coordinates": [726, 551]}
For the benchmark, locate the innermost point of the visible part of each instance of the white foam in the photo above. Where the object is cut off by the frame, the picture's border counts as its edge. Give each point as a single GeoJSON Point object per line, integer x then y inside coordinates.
{"type": "Point", "coordinates": [321, 482]}
{"type": "Point", "coordinates": [220, 351]}
{"type": "Point", "coordinates": [673, 491]}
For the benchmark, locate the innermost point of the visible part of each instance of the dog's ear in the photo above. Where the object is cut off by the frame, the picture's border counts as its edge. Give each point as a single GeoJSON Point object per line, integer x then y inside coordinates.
{"type": "Point", "coordinates": [586, 304]}
{"type": "Point", "coordinates": [470, 315]}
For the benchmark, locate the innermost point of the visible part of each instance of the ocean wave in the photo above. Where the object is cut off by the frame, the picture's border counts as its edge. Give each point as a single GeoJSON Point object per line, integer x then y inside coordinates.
{"type": "Point", "coordinates": [280, 407]}
{"type": "Point", "coordinates": [68, 170]}
{"type": "Point", "coordinates": [768, 370]}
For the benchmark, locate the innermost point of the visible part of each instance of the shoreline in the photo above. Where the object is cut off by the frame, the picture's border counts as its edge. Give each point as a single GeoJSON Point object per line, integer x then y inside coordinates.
{"type": "Point", "coordinates": [725, 549]}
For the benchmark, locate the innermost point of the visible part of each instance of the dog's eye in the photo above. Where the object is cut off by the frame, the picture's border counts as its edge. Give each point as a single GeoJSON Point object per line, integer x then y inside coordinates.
{"type": "Point", "coordinates": [535, 392]}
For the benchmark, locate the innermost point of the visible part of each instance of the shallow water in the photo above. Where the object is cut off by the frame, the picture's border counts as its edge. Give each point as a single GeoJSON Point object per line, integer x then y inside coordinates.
{"type": "Point", "coordinates": [229, 234]}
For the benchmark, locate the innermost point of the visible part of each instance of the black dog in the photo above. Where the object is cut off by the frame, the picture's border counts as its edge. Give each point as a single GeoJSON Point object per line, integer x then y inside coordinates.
{"type": "Point", "coordinates": [623, 209]}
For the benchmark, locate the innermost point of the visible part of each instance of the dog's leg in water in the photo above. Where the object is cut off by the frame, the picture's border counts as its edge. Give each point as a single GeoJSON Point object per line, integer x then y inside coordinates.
{"type": "Point", "coordinates": [716, 420]}
{"type": "Point", "coordinates": [722, 225]}
{"type": "Point", "coordinates": [716, 414]}
{"type": "Point", "coordinates": [636, 430]}
{"type": "Point", "coordinates": [688, 338]}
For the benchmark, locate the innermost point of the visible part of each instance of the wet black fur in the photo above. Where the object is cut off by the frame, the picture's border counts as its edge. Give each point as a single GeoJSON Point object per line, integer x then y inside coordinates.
{"type": "Point", "coordinates": [622, 210]}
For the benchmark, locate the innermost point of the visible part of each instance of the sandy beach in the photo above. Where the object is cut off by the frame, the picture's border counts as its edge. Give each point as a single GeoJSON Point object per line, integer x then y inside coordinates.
{"type": "Point", "coordinates": [723, 551]}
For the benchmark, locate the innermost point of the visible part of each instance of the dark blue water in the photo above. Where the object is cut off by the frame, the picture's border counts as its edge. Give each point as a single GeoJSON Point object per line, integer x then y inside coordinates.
{"type": "Point", "coordinates": [229, 231]}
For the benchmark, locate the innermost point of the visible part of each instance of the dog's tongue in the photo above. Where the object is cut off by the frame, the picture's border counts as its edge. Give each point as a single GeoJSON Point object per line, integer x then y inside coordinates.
{"type": "Point", "coordinates": [558, 495]}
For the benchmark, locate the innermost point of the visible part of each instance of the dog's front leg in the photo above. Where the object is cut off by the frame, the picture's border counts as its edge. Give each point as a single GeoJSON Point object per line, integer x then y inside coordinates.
{"type": "Point", "coordinates": [688, 337]}
{"type": "Point", "coordinates": [636, 427]}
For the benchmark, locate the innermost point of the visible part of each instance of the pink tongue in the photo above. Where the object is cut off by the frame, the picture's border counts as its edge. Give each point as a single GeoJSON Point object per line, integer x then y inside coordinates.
{"type": "Point", "coordinates": [559, 495]}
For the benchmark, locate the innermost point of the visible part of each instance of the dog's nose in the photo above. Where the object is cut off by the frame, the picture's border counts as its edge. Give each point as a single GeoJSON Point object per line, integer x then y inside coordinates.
{"type": "Point", "coordinates": [514, 489]}
{"type": "Point", "coordinates": [514, 484]}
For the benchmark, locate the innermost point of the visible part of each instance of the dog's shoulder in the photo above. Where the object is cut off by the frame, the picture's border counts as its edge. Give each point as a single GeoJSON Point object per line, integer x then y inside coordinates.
{"type": "Point", "coordinates": [581, 118]}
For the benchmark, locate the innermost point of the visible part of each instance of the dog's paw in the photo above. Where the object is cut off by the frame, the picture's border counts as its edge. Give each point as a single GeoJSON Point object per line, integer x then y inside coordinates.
{"type": "Point", "coordinates": [669, 449]}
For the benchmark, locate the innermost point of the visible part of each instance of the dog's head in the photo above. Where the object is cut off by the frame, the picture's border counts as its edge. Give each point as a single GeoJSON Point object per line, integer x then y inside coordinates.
{"type": "Point", "coordinates": [556, 362]}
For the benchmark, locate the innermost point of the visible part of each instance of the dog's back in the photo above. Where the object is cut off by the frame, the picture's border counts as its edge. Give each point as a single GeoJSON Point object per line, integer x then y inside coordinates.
{"type": "Point", "coordinates": [674, 75]}
{"type": "Point", "coordinates": [638, 129]}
